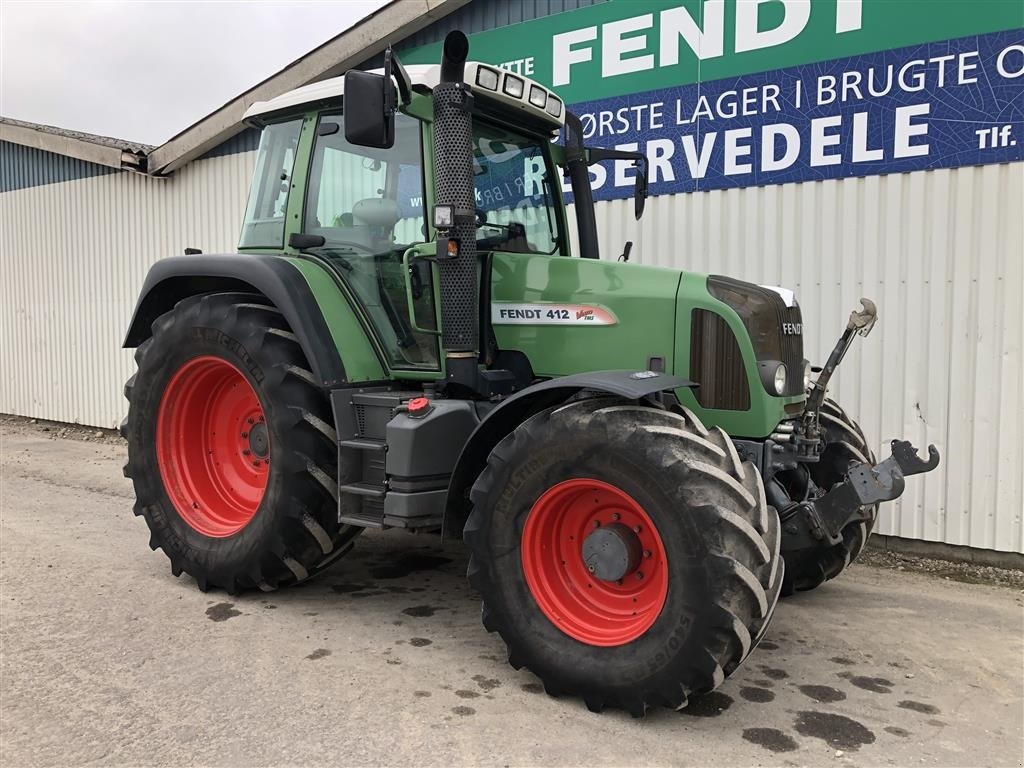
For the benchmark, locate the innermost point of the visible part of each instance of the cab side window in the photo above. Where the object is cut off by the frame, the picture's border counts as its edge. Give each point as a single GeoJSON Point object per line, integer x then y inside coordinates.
{"type": "Point", "coordinates": [263, 226]}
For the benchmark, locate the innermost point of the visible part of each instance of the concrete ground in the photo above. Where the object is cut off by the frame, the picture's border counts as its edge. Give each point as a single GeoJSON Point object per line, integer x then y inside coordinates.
{"type": "Point", "coordinates": [108, 659]}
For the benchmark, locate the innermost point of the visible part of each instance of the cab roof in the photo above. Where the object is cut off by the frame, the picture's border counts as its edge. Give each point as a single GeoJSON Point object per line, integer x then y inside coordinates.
{"type": "Point", "coordinates": [511, 90]}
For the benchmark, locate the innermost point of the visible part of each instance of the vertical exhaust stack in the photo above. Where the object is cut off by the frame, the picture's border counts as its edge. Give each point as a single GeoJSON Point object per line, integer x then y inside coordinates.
{"type": "Point", "coordinates": [454, 187]}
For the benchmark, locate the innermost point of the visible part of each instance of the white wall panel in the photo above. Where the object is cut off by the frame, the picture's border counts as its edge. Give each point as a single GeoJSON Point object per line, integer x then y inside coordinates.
{"type": "Point", "coordinates": [75, 255]}
{"type": "Point", "coordinates": [940, 252]}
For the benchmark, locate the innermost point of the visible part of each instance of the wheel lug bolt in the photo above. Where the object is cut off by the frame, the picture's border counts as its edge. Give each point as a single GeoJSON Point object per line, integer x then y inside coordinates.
{"type": "Point", "coordinates": [639, 574]}
{"type": "Point", "coordinates": [256, 463]}
{"type": "Point", "coordinates": [636, 529]}
{"type": "Point", "coordinates": [597, 523]}
{"type": "Point", "coordinates": [647, 553]}
{"type": "Point", "coordinates": [619, 582]}
{"type": "Point", "coordinates": [616, 515]}
{"type": "Point", "coordinates": [590, 568]}
{"type": "Point", "coordinates": [245, 451]}
{"type": "Point", "coordinates": [250, 420]}
{"type": "Point", "coordinates": [245, 434]}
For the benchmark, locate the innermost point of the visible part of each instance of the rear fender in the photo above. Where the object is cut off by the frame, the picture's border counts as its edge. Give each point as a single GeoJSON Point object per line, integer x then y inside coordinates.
{"type": "Point", "coordinates": [173, 279]}
{"type": "Point", "coordinates": [500, 421]}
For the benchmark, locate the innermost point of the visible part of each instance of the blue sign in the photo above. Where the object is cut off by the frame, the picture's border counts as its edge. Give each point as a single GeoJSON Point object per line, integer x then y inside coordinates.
{"type": "Point", "coordinates": [938, 105]}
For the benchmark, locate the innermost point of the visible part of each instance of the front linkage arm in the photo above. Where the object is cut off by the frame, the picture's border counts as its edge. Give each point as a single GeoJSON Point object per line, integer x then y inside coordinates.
{"type": "Point", "coordinates": [808, 437]}
{"type": "Point", "coordinates": [861, 321]}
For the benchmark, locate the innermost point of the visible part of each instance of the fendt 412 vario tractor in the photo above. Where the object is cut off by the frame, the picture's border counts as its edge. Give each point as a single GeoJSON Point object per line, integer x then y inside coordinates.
{"type": "Point", "coordinates": [638, 459]}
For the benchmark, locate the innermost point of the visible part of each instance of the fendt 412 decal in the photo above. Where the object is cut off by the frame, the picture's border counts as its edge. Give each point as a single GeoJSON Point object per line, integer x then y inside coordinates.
{"type": "Point", "coordinates": [508, 313]}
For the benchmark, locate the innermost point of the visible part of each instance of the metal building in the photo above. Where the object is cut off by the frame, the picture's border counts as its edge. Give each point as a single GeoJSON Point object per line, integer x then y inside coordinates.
{"type": "Point", "coordinates": [939, 245]}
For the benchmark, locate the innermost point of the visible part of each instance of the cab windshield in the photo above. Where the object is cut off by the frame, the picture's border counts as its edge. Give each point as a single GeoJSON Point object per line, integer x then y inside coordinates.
{"type": "Point", "coordinates": [515, 201]}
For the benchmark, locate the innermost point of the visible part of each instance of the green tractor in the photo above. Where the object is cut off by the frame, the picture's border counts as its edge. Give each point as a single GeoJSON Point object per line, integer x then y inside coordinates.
{"type": "Point", "coordinates": [638, 458]}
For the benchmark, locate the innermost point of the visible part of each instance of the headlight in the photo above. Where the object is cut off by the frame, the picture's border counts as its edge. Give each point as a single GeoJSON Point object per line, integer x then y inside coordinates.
{"type": "Point", "coordinates": [807, 374]}
{"type": "Point", "coordinates": [780, 379]}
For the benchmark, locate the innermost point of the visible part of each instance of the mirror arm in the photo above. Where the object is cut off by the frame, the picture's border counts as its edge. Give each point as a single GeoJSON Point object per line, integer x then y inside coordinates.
{"type": "Point", "coordinates": [392, 64]}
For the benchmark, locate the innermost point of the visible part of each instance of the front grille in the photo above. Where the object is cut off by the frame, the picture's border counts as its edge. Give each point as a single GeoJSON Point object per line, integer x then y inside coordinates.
{"type": "Point", "coordinates": [764, 314]}
{"type": "Point", "coordinates": [716, 363]}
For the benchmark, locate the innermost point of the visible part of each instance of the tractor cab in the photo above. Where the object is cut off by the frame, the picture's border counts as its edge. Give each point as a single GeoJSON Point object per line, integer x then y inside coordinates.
{"type": "Point", "coordinates": [354, 193]}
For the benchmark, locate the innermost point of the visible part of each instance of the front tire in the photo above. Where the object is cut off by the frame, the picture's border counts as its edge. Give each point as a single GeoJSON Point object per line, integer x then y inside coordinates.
{"type": "Point", "coordinates": [666, 505]}
{"type": "Point", "coordinates": [845, 446]}
{"type": "Point", "coordinates": [230, 447]}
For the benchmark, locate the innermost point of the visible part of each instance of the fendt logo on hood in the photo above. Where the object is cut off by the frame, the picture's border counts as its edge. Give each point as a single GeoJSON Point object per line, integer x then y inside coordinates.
{"type": "Point", "coordinates": [792, 329]}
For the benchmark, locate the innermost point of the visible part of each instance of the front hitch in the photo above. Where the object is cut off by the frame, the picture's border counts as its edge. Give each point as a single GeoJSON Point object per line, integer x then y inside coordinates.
{"type": "Point", "coordinates": [849, 501]}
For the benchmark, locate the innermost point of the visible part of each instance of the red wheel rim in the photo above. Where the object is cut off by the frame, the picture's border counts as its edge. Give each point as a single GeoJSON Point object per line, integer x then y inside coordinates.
{"type": "Point", "coordinates": [589, 609]}
{"type": "Point", "coordinates": [212, 446]}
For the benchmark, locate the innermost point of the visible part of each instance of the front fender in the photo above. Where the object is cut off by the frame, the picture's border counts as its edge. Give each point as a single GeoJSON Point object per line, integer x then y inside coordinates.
{"type": "Point", "coordinates": [500, 421]}
{"type": "Point", "coordinates": [173, 279]}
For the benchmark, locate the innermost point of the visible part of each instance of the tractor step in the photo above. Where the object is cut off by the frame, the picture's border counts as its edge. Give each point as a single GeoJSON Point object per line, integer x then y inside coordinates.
{"type": "Point", "coordinates": [366, 519]}
{"type": "Point", "coordinates": [363, 489]}
{"type": "Point", "coordinates": [363, 444]}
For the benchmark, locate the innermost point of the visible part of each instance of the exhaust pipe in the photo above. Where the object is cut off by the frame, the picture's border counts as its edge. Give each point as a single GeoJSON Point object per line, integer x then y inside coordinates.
{"type": "Point", "coordinates": [453, 57]}
{"type": "Point", "coordinates": [454, 187]}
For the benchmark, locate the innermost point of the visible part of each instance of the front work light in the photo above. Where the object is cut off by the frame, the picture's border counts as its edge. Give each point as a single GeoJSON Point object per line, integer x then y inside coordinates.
{"type": "Point", "coordinates": [554, 107]}
{"type": "Point", "coordinates": [487, 78]}
{"type": "Point", "coordinates": [807, 374]}
{"type": "Point", "coordinates": [538, 96]}
{"type": "Point", "coordinates": [444, 217]}
{"type": "Point", "coordinates": [513, 86]}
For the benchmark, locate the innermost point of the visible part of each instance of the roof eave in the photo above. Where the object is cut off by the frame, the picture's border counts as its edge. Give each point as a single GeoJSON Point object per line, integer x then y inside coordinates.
{"type": "Point", "coordinates": [111, 157]}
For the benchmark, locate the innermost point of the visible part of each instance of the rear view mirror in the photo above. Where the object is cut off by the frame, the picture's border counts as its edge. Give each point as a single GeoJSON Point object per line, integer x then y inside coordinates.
{"type": "Point", "coordinates": [369, 109]}
{"type": "Point", "coordinates": [597, 154]}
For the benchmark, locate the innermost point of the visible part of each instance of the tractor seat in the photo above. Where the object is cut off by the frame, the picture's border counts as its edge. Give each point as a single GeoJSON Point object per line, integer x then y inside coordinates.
{"type": "Point", "coordinates": [376, 212]}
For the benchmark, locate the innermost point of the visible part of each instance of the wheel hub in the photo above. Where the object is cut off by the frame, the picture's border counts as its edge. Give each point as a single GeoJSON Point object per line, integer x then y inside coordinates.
{"type": "Point", "coordinates": [611, 552]}
{"type": "Point", "coordinates": [259, 442]}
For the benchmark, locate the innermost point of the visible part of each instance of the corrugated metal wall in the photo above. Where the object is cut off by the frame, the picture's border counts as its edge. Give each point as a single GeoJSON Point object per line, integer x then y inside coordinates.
{"type": "Point", "coordinates": [940, 251]}
{"type": "Point", "coordinates": [75, 254]}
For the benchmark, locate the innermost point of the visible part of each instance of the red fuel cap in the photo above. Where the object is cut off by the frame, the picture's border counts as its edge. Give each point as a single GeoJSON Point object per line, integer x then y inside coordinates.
{"type": "Point", "coordinates": [418, 406]}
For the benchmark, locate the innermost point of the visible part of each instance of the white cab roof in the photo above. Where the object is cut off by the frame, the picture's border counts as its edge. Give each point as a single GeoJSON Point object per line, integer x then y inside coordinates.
{"type": "Point", "coordinates": [428, 75]}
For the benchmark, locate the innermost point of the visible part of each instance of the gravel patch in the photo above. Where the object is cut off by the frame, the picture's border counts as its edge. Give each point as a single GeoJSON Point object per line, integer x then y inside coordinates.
{"type": "Point", "coordinates": [970, 573]}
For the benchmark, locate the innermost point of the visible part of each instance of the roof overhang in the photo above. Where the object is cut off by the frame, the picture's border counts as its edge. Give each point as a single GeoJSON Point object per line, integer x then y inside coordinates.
{"type": "Point", "coordinates": [80, 148]}
{"type": "Point", "coordinates": [391, 24]}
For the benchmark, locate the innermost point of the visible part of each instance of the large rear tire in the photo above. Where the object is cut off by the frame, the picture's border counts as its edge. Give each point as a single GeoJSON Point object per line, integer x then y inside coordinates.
{"type": "Point", "coordinates": [845, 445]}
{"type": "Point", "coordinates": [666, 505]}
{"type": "Point", "coordinates": [231, 449]}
